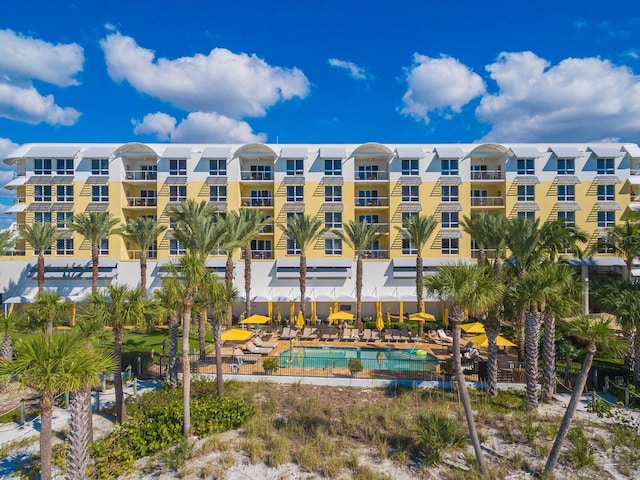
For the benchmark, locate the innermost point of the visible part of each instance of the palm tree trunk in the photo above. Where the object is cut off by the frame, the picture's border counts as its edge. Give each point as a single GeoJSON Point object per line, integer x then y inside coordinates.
{"type": "Point", "coordinates": [40, 272]}
{"type": "Point", "coordinates": [202, 332]}
{"type": "Point", "coordinates": [457, 315]}
{"type": "Point", "coordinates": [532, 339]}
{"type": "Point", "coordinates": [143, 273]}
{"type": "Point", "coordinates": [217, 337]}
{"type": "Point", "coordinates": [121, 414]}
{"type": "Point", "coordinates": [636, 356]}
{"type": "Point", "coordinates": [358, 292]}
{"type": "Point", "coordinates": [7, 347]}
{"type": "Point", "coordinates": [303, 281]}
{"type": "Point", "coordinates": [567, 363]}
{"type": "Point", "coordinates": [186, 364]}
{"type": "Point", "coordinates": [482, 257]}
{"type": "Point", "coordinates": [46, 413]}
{"type": "Point", "coordinates": [548, 358]}
{"type": "Point", "coordinates": [419, 282]}
{"type": "Point", "coordinates": [570, 411]}
{"type": "Point", "coordinates": [492, 329]}
{"type": "Point", "coordinates": [228, 281]}
{"type": "Point", "coordinates": [172, 367]}
{"type": "Point", "coordinates": [247, 279]}
{"type": "Point", "coordinates": [520, 333]}
{"type": "Point", "coordinates": [94, 268]}
{"type": "Point", "coordinates": [88, 406]}
{"type": "Point", "coordinates": [78, 439]}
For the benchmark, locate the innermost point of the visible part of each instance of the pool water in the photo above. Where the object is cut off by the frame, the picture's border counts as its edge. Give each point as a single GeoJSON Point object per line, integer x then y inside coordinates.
{"type": "Point", "coordinates": [372, 358]}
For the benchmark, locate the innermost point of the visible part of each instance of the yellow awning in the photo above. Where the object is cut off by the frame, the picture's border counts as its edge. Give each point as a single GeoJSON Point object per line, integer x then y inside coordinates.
{"type": "Point", "coordinates": [236, 335]}
{"type": "Point", "coordinates": [340, 315]}
{"type": "Point", "coordinates": [483, 341]}
{"type": "Point", "coordinates": [422, 317]}
{"type": "Point", "coordinates": [474, 327]}
{"type": "Point", "coordinates": [260, 319]}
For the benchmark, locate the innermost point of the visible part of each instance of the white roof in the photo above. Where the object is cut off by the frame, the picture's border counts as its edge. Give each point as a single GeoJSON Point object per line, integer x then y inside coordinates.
{"type": "Point", "coordinates": [521, 151]}
{"type": "Point", "coordinates": [294, 152]}
{"type": "Point", "coordinates": [216, 152]}
{"type": "Point", "coordinates": [332, 152]}
{"type": "Point", "coordinates": [565, 151]}
{"type": "Point", "coordinates": [449, 152]}
{"type": "Point", "coordinates": [409, 152]}
{"type": "Point", "coordinates": [52, 151]}
{"type": "Point", "coordinates": [99, 152]}
{"type": "Point", "coordinates": [606, 151]}
{"type": "Point", "coordinates": [177, 152]}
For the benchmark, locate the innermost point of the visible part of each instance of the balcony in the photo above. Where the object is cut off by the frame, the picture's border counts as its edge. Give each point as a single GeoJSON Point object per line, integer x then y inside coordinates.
{"type": "Point", "coordinates": [141, 175]}
{"type": "Point", "coordinates": [480, 175]}
{"type": "Point", "coordinates": [260, 254]}
{"type": "Point", "coordinates": [257, 201]}
{"type": "Point", "coordinates": [375, 176]}
{"type": "Point", "coordinates": [135, 254]}
{"type": "Point", "coordinates": [267, 228]}
{"type": "Point", "coordinates": [487, 201]}
{"type": "Point", "coordinates": [488, 253]}
{"type": "Point", "coordinates": [371, 202]}
{"type": "Point", "coordinates": [142, 202]}
{"type": "Point", "coordinates": [375, 254]}
{"type": "Point", "coordinates": [249, 175]}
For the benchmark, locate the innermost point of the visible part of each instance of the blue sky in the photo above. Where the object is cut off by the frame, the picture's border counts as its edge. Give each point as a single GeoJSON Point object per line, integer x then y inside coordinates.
{"type": "Point", "coordinates": [318, 72]}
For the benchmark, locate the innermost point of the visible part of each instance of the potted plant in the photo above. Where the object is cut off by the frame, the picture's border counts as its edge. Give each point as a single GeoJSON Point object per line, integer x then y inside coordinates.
{"type": "Point", "coordinates": [270, 365]}
{"type": "Point", "coordinates": [355, 366]}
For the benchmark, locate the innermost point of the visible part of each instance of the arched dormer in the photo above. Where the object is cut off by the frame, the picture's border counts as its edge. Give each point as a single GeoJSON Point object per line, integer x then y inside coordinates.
{"type": "Point", "coordinates": [371, 162]}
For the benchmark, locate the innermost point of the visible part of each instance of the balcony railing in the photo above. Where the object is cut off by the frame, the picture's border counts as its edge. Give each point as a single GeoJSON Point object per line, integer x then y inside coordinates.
{"type": "Point", "coordinates": [135, 254]}
{"type": "Point", "coordinates": [141, 175]}
{"type": "Point", "coordinates": [487, 252]}
{"type": "Point", "coordinates": [257, 201]}
{"type": "Point", "coordinates": [258, 176]}
{"type": "Point", "coordinates": [487, 175]}
{"type": "Point", "coordinates": [267, 228]}
{"type": "Point", "coordinates": [487, 202]}
{"type": "Point", "coordinates": [371, 202]}
{"type": "Point", "coordinates": [382, 227]}
{"type": "Point", "coordinates": [260, 254]}
{"type": "Point", "coordinates": [142, 201]}
{"type": "Point", "coordinates": [378, 175]}
{"type": "Point", "coordinates": [375, 254]}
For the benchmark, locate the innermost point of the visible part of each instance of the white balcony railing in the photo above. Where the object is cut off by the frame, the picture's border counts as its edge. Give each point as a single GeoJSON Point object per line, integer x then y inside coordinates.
{"type": "Point", "coordinates": [142, 201]}
{"type": "Point", "coordinates": [487, 175]}
{"type": "Point", "coordinates": [487, 202]}
{"type": "Point", "coordinates": [141, 175]}
{"type": "Point", "coordinates": [256, 176]}
{"type": "Point", "coordinates": [371, 202]}
{"type": "Point", "coordinates": [257, 201]}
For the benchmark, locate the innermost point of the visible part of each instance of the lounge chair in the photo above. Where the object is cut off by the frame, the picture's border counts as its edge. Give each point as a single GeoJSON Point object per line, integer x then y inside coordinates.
{"type": "Point", "coordinates": [443, 336]}
{"type": "Point", "coordinates": [285, 334]}
{"type": "Point", "coordinates": [366, 335]}
{"type": "Point", "coordinates": [262, 344]}
{"type": "Point", "coordinates": [239, 357]}
{"type": "Point", "coordinates": [375, 335]}
{"type": "Point", "coordinates": [251, 347]}
{"type": "Point", "coordinates": [405, 336]}
{"type": "Point", "coordinates": [350, 334]}
{"type": "Point", "coordinates": [309, 333]}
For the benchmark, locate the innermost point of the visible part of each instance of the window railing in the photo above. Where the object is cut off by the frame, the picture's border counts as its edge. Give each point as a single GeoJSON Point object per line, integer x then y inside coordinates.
{"type": "Point", "coordinates": [375, 254]}
{"type": "Point", "coordinates": [254, 175]}
{"type": "Point", "coordinates": [487, 202]}
{"type": "Point", "coordinates": [260, 254]}
{"type": "Point", "coordinates": [257, 201]}
{"type": "Point", "coordinates": [487, 175]}
{"type": "Point", "coordinates": [375, 175]}
{"type": "Point", "coordinates": [142, 201]}
{"type": "Point", "coordinates": [141, 175]}
{"type": "Point", "coordinates": [371, 202]}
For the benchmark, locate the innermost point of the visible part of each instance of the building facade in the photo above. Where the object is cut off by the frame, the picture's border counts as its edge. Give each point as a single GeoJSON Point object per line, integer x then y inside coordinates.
{"type": "Point", "coordinates": [591, 186]}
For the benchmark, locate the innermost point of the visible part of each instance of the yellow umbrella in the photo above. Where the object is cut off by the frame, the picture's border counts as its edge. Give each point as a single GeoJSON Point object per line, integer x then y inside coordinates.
{"type": "Point", "coordinates": [335, 307]}
{"type": "Point", "coordinates": [270, 310]}
{"type": "Point", "coordinates": [401, 312]}
{"type": "Point", "coordinates": [300, 321]}
{"type": "Point", "coordinates": [389, 316]}
{"type": "Point", "coordinates": [340, 315]}
{"type": "Point", "coordinates": [474, 327]}
{"type": "Point", "coordinates": [422, 317]}
{"type": "Point", "coordinates": [279, 314]}
{"type": "Point", "coordinates": [259, 319]}
{"type": "Point", "coordinates": [236, 335]}
{"type": "Point", "coordinates": [292, 313]}
{"type": "Point", "coordinates": [379, 321]}
{"type": "Point", "coordinates": [483, 341]}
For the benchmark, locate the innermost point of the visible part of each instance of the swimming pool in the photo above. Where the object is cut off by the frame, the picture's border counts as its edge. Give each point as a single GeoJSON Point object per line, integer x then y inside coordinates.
{"type": "Point", "coordinates": [372, 358]}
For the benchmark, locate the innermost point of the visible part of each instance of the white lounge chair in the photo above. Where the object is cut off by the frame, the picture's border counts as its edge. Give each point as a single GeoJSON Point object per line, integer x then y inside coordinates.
{"type": "Point", "coordinates": [444, 336]}
{"type": "Point", "coordinates": [261, 343]}
{"type": "Point", "coordinates": [251, 347]}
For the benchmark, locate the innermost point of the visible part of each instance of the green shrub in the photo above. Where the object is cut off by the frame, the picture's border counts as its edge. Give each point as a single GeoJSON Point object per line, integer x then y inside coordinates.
{"type": "Point", "coordinates": [437, 432]}
{"type": "Point", "coordinates": [270, 364]}
{"type": "Point", "coordinates": [355, 365]}
{"type": "Point", "coordinates": [581, 453]}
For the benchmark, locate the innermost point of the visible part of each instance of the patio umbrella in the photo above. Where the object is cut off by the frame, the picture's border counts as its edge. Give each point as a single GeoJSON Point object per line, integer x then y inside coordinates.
{"type": "Point", "coordinates": [389, 316]}
{"type": "Point", "coordinates": [313, 312]}
{"type": "Point", "coordinates": [279, 317]}
{"type": "Point", "coordinates": [258, 319]}
{"type": "Point", "coordinates": [292, 313]}
{"type": "Point", "coordinates": [340, 315]}
{"type": "Point", "coordinates": [483, 341]}
{"type": "Point", "coordinates": [270, 309]}
{"type": "Point", "coordinates": [379, 321]}
{"type": "Point", "coordinates": [422, 317]}
{"type": "Point", "coordinates": [300, 321]}
{"type": "Point", "coordinates": [474, 327]}
{"type": "Point", "coordinates": [236, 335]}
{"type": "Point", "coordinates": [401, 312]}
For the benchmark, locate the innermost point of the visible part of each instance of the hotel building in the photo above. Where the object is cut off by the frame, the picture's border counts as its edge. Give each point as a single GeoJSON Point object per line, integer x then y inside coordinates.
{"type": "Point", "coordinates": [588, 185]}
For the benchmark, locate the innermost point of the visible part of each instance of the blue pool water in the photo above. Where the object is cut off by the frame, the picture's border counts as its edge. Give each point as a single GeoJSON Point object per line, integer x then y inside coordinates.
{"type": "Point", "coordinates": [372, 358]}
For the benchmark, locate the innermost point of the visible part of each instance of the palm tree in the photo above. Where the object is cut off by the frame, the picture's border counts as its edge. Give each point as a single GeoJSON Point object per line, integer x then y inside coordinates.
{"type": "Point", "coordinates": [143, 232]}
{"type": "Point", "coordinates": [40, 236]}
{"type": "Point", "coordinates": [478, 227]}
{"type": "Point", "coordinates": [51, 365]}
{"type": "Point", "coordinates": [559, 238]}
{"type": "Point", "coordinates": [7, 241]}
{"type": "Point", "coordinates": [360, 236]}
{"type": "Point", "coordinates": [418, 229]}
{"type": "Point", "coordinates": [467, 288]}
{"type": "Point", "coordinates": [598, 333]}
{"type": "Point", "coordinates": [48, 309]}
{"type": "Point", "coordinates": [94, 227]}
{"type": "Point", "coordinates": [170, 298]}
{"type": "Point", "coordinates": [121, 306]}
{"type": "Point", "coordinates": [303, 230]}
{"type": "Point", "coordinates": [7, 325]}
{"type": "Point", "coordinates": [625, 240]}
{"type": "Point", "coordinates": [255, 221]}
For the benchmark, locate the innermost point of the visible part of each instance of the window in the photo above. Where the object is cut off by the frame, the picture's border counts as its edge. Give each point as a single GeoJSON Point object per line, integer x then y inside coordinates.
{"type": "Point", "coordinates": [260, 172]}
{"type": "Point", "coordinates": [529, 215]}
{"type": "Point", "coordinates": [369, 219]}
{"type": "Point", "coordinates": [148, 198]}
{"type": "Point", "coordinates": [450, 246]}
{"type": "Point", "coordinates": [173, 223]}
{"type": "Point", "coordinates": [410, 167]}
{"type": "Point", "coordinates": [526, 166]}
{"type": "Point", "coordinates": [42, 193]}
{"type": "Point", "coordinates": [42, 217]}
{"type": "Point", "coordinates": [292, 247]}
{"type": "Point", "coordinates": [606, 192]}
{"type": "Point", "coordinates": [176, 248]}
{"type": "Point", "coordinates": [177, 193]}
{"type": "Point", "coordinates": [605, 245]}
{"type": "Point", "coordinates": [42, 166]}
{"type": "Point", "coordinates": [178, 167]}
{"type": "Point", "coordinates": [368, 198]}
{"type": "Point", "coordinates": [100, 166]}
{"type": "Point", "coordinates": [295, 193]}
{"type": "Point", "coordinates": [333, 167]}
{"type": "Point", "coordinates": [332, 246]}
{"type": "Point", "coordinates": [408, 247]}
{"type": "Point", "coordinates": [410, 193]}
{"type": "Point", "coordinates": [367, 172]}
{"type": "Point", "coordinates": [295, 167]}
{"type": "Point", "coordinates": [261, 248]}
{"type": "Point", "coordinates": [64, 193]}
{"type": "Point", "coordinates": [566, 193]}
{"type": "Point", "coordinates": [568, 218]}
{"type": "Point", "coordinates": [566, 166]}
{"type": "Point", "coordinates": [449, 167]}
{"type": "Point", "coordinates": [63, 219]}
{"type": "Point", "coordinates": [407, 215]}
{"type": "Point", "coordinates": [261, 198]}
{"type": "Point", "coordinates": [64, 166]}
{"type": "Point", "coordinates": [149, 172]}
{"type": "Point", "coordinates": [333, 193]}
{"type": "Point", "coordinates": [47, 251]}
{"type": "Point", "coordinates": [605, 166]}
{"type": "Point", "coordinates": [218, 193]}
{"type": "Point", "coordinates": [64, 246]}
{"type": "Point", "coordinates": [218, 167]}
{"type": "Point", "coordinates": [103, 246]}
{"type": "Point", "coordinates": [100, 193]}
{"type": "Point", "coordinates": [333, 219]}
{"type": "Point", "coordinates": [606, 219]}
{"type": "Point", "coordinates": [526, 193]}
{"type": "Point", "coordinates": [449, 193]}
{"type": "Point", "coordinates": [449, 220]}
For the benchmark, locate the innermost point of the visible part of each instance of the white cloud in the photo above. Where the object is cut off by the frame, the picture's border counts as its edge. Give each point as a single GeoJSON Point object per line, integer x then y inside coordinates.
{"type": "Point", "coordinates": [579, 99]}
{"type": "Point", "coordinates": [355, 72]}
{"type": "Point", "coordinates": [230, 84]}
{"type": "Point", "coordinates": [439, 85]}
{"type": "Point", "coordinates": [7, 172]}
{"type": "Point", "coordinates": [198, 127]}
{"type": "Point", "coordinates": [25, 104]}
{"type": "Point", "coordinates": [26, 57]}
